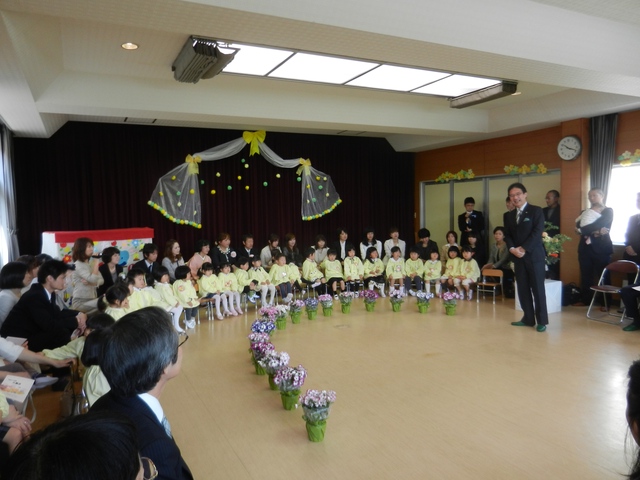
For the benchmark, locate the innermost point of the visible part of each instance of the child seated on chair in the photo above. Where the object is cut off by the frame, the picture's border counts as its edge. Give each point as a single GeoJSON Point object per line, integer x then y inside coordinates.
{"type": "Point", "coordinates": [210, 287]}
{"type": "Point", "coordinates": [433, 272]}
{"type": "Point", "coordinates": [395, 270]}
{"type": "Point", "coordinates": [279, 276]}
{"type": "Point", "coordinates": [333, 272]}
{"type": "Point", "coordinates": [261, 276]}
{"type": "Point", "coordinates": [353, 269]}
{"type": "Point", "coordinates": [450, 277]}
{"type": "Point", "coordinates": [374, 270]}
{"type": "Point", "coordinates": [115, 302]}
{"type": "Point", "coordinates": [294, 276]}
{"type": "Point", "coordinates": [469, 271]}
{"type": "Point", "coordinates": [164, 288]}
{"type": "Point", "coordinates": [230, 289]}
{"type": "Point", "coordinates": [246, 286]}
{"type": "Point", "coordinates": [186, 294]}
{"type": "Point", "coordinates": [414, 269]}
{"type": "Point", "coordinates": [310, 272]}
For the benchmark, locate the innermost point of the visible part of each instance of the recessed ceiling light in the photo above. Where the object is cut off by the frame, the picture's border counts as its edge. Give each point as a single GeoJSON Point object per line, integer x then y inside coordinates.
{"type": "Point", "coordinates": [129, 46]}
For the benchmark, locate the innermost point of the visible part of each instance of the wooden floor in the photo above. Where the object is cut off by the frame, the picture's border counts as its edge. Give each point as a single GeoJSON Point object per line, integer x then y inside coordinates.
{"type": "Point", "coordinates": [418, 397]}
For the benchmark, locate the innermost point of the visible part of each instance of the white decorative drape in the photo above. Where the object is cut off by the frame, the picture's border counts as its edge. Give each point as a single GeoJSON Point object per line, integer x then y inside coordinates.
{"type": "Point", "coordinates": [8, 233]}
{"type": "Point", "coordinates": [177, 193]}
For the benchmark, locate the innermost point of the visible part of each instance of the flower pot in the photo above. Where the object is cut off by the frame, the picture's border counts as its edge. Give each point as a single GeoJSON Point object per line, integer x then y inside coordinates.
{"type": "Point", "coordinates": [346, 308]}
{"type": "Point", "coordinates": [327, 312]}
{"type": "Point", "coordinates": [272, 384]}
{"type": "Point", "coordinates": [370, 307]}
{"type": "Point", "coordinates": [295, 317]}
{"type": "Point", "coordinates": [396, 307]}
{"type": "Point", "coordinates": [289, 399]}
{"type": "Point", "coordinates": [281, 323]}
{"type": "Point", "coordinates": [423, 308]}
{"type": "Point", "coordinates": [450, 309]}
{"type": "Point", "coordinates": [311, 314]}
{"type": "Point", "coordinates": [315, 431]}
{"type": "Point", "coordinates": [259, 369]}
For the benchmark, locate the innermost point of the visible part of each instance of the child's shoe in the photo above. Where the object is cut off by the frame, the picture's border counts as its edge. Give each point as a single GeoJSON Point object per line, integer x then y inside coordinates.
{"type": "Point", "coordinates": [239, 310]}
{"type": "Point", "coordinates": [470, 296]}
{"type": "Point", "coordinates": [219, 316]}
{"type": "Point", "coordinates": [191, 324]}
{"type": "Point", "coordinates": [226, 313]}
{"type": "Point", "coordinates": [412, 292]}
{"type": "Point", "coordinates": [381, 288]}
{"type": "Point", "coordinates": [233, 312]}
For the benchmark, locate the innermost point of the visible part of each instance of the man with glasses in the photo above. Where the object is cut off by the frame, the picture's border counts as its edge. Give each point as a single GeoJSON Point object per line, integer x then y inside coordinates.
{"type": "Point", "coordinates": [142, 354]}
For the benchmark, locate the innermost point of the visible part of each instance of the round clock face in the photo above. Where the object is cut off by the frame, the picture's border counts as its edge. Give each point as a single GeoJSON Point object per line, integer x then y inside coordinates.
{"type": "Point", "coordinates": [569, 147]}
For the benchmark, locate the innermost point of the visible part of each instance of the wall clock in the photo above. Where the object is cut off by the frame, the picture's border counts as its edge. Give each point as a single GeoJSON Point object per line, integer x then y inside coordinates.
{"type": "Point", "coordinates": [569, 147]}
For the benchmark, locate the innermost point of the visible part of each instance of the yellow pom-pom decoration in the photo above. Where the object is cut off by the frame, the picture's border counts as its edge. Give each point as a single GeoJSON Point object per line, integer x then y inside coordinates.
{"type": "Point", "coordinates": [173, 178]}
{"type": "Point", "coordinates": [160, 193]}
{"type": "Point", "coordinates": [199, 225]}
{"type": "Point", "coordinates": [247, 187]}
{"type": "Point", "coordinates": [192, 191]}
{"type": "Point", "coordinates": [246, 165]}
{"type": "Point", "coordinates": [277, 175]}
{"type": "Point", "coordinates": [179, 204]}
{"type": "Point", "coordinates": [213, 192]}
{"type": "Point", "coordinates": [325, 179]}
{"type": "Point", "coordinates": [217, 174]}
{"type": "Point", "coordinates": [239, 177]}
{"type": "Point", "coordinates": [318, 178]}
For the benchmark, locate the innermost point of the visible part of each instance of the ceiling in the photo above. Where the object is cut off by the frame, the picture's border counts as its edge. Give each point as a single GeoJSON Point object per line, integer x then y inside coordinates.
{"type": "Point", "coordinates": [60, 60]}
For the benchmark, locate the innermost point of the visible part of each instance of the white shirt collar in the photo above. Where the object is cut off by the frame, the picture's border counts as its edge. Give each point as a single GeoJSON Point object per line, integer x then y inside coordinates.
{"type": "Point", "coordinates": [521, 209]}
{"type": "Point", "coordinates": [154, 404]}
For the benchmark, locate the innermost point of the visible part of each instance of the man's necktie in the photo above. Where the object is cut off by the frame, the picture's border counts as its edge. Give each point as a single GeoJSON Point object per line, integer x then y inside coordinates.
{"type": "Point", "coordinates": [518, 216]}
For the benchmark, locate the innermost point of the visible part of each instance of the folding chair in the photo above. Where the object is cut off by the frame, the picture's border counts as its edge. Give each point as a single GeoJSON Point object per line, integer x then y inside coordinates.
{"type": "Point", "coordinates": [489, 284]}
{"type": "Point", "coordinates": [623, 267]}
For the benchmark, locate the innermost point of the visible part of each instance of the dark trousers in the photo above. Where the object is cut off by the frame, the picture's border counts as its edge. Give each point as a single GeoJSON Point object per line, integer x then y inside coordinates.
{"type": "Point", "coordinates": [530, 284]}
{"type": "Point", "coordinates": [591, 266]}
{"type": "Point", "coordinates": [630, 298]}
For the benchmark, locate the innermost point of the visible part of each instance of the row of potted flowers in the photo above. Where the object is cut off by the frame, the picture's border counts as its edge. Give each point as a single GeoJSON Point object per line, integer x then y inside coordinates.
{"type": "Point", "coordinates": [285, 378]}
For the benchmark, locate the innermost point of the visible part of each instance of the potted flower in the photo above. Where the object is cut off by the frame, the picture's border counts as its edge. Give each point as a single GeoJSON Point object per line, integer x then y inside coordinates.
{"type": "Point", "coordinates": [316, 405]}
{"type": "Point", "coordinates": [289, 380]}
{"type": "Point", "coordinates": [397, 299]}
{"type": "Point", "coordinates": [281, 316]}
{"type": "Point", "coordinates": [311, 305]}
{"type": "Point", "coordinates": [259, 350]}
{"type": "Point", "coordinates": [424, 300]}
{"type": "Point", "coordinates": [271, 363]}
{"type": "Point", "coordinates": [370, 297]}
{"type": "Point", "coordinates": [345, 301]}
{"type": "Point", "coordinates": [263, 326]}
{"type": "Point", "coordinates": [255, 337]}
{"type": "Point", "coordinates": [295, 310]}
{"type": "Point", "coordinates": [450, 300]}
{"type": "Point", "coordinates": [553, 243]}
{"type": "Point", "coordinates": [268, 313]}
{"type": "Point", "coordinates": [327, 304]}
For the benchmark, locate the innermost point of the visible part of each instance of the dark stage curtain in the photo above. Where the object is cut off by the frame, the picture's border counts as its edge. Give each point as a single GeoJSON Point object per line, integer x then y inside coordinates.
{"type": "Point", "coordinates": [100, 176]}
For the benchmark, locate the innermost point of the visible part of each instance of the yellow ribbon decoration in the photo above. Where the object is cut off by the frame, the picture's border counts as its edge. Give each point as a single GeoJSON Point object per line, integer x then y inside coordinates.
{"type": "Point", "coordinates": [193, 164]}
{"type": "Point", "coordinates": [304, 166]}
{"type": "Point", "coordinates": [254, 138]}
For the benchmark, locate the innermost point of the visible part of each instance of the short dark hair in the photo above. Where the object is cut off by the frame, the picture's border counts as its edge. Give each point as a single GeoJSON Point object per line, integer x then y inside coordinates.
{"type": "Point", "coordinates": [469, 200]}
{"type": "Point", "coordinates": [200, 244]}
{"type": "Point", "coordinates": [555, 193]}
{"type": "Point", "coordinates": [141, 345]}
{"type": "Point", "coordinates": [135, 273]}
{"type": "Point", "coordinates": [206, 266]}
{"type": "Point", "coordinates": [108, 253]}
{"type": "Point", "coordinates": [160, 272]}
{"type": "Point", "coordinates": [255, 259]}
{"type": "Point", "coordinates": [242, 261]}
{"type": "Point", "coordinates": [12, 275]}
{"type": "Point", "coordinates": [29, 260]}
{"type": "Point", "coordinates": [468, 248]}
{"type": "Point", "coordinates": [93, 349]}
{"type": "Point", "coordinates": [107, 440]}
{"type": "Point", "coordinates": [517, 185]}
{"type": "Point", "coordinates": [100, 321]}
{"type": "Point", "coordinates": [453, 248]}
{"type": "Point", "coordinates": [499, 228]}
{"type": "Point", "coordinates": [246, 236]}
{"type": "Point", "coordinates": [181, 272]}
{"type": "Point", "coordinates": [55, 268]}
{"type": "Point", "coordinates": [332, 251]}
{"type": "Point", "coordinates": [148, 249]}
{"type": "Point", "coordinates": [414, 250]}
{"type": "Point", "coordinates": [424, 232]}
{"type": "Point", "coordinates": [118, 292]}
{"type": "Point", "coordinates": [309, 251]}
{"type": "Point", "coordinates": [395, 249]}
{"type": "Point", "coordinates": [451, 232]}
{"type": "Point", "coordinates": [273, 238]}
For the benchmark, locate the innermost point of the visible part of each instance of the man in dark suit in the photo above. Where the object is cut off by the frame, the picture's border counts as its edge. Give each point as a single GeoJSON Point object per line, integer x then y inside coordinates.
{"type": "Point", "coordinates": [36, 316]}
{"type": "Point", "coordinates": [632, 241]}
{"type": "Point", "coordinates": [149, 264]}
{"type": "Point", "coordinates": [470, 221]}
{"type": "Point", "coordinates": [140, 356]}
{"type": "Point", "coordinates": [247, 250]}
{"type": "Point", "coordinates": [524, 226]}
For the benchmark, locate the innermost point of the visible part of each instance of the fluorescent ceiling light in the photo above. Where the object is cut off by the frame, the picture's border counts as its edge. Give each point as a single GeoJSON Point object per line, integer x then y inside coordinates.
{"type": "Point", "coordinates": [318, 68]}
{"type": "Point", "coordinates": [256, 60]}
{"type": "Point", "coordinates": [390, 77]}
{"type": "Point", "coordinates": [456, 85]}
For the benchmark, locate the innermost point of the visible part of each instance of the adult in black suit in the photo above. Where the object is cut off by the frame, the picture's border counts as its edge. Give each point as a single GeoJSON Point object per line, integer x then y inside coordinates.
{"type": "Point", "coordinates": [343, 245]}
{"type": "Point", "coordinates": [247, 250]}
{"type": "Point", "coordinates": [632, 241]}
{"type": "Point", "coordinates": [110, 259]}
{"type": "Point", "coordinates": [36, 316]}
{"type": "Point", "coordinates": [552, 215]}
{"type": "Point", "coordinates": [595, 247]}
{"type": "Point", "coordinates": [524, 226]}
{"type": "Point", "coordinates": [470, 221]}
{"type": "Point", "coordinates": [425, 245]}
{"type": "Point", "coordinates": [140, 356]}
{"type": "Point", "coordinates": [149, 264]}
